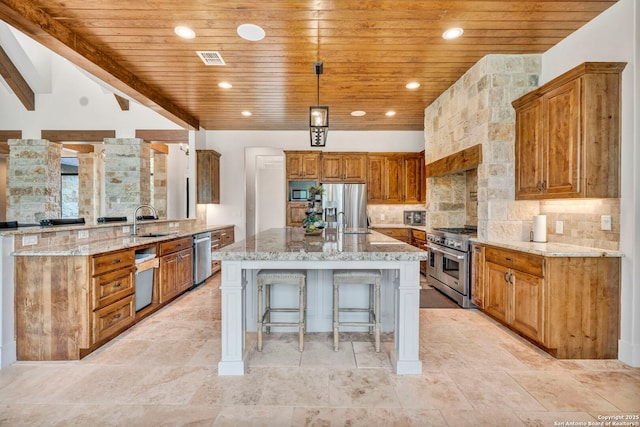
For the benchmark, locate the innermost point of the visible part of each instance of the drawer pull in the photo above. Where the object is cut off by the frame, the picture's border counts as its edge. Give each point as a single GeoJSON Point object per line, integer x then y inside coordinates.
{"type": "Point", "coordinates": [116, 261]}
{"type": "Point", "coordinates": [509, 259]}
{"type": "Point", "coordinates": [117, 285]}
{"type": "Point", "coordinates": [116, 317]}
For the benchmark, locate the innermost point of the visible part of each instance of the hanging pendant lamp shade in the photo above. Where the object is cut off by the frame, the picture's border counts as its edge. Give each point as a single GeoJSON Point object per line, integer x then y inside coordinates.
{"type": "Point", "coordinates": [318, 115]}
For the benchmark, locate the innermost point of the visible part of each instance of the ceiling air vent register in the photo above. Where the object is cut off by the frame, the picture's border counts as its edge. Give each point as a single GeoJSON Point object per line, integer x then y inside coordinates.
{"type": "Point", "coordinates": [210, 57]}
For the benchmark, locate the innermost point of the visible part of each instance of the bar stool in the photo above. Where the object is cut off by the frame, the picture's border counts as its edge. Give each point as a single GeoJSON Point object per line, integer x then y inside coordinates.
{"type": "Point", "coordinates": [363, 277]}
{"type": "Point", "coordinates": [268, 278]}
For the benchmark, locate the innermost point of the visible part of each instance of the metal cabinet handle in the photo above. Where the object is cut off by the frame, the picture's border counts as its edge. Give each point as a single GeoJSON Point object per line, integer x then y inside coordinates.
{"type": "Point", "coordinates": [116, 317]}
{"type": "Point", "coordinates": [506, 276]}
{"type": "Point", "coordinates": [511, 278]}
{"type": "Point", "coordinates": [509, 259]}
{"type": "Point", "coordinates": [544, 185]}
{"type": "Point", "coordinates": [117, 285]}
{"type": "Point", "coordinates": [116, 261]}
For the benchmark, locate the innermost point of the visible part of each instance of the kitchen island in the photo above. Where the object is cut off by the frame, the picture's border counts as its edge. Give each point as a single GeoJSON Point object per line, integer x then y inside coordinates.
{"type": "Point", "coordinates": [290, 248]}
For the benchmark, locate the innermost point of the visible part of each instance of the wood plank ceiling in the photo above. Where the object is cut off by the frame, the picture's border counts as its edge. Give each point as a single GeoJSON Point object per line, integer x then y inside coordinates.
{"type": "Point", "coordinates": [370, 50]}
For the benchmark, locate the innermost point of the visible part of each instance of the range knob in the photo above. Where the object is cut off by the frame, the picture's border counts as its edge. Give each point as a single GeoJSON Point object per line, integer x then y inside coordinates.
{"type": "Point", "coordinates": [457, 245]}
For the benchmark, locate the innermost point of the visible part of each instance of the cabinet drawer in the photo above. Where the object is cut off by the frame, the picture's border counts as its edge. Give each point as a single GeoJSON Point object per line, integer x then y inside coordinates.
{"type": "Point", "coordinates": [215, 236]}
{"type": "Point", "coordinates": [112, 286]}
{"type": "Point", "coordinates": [113, 318]}
{"type": "Point", "coordinates": [112, 261]}
{"type": "Point", "coordinates": [227, 236]}
{"type": "Point", "coordinates": [521, 261]}
{"type": "Point", "coordinates": [419, 234]}
{"type": "Point", "coordinates": [175, 245]}
{"type": "Point", "coordinates": [398, 233]}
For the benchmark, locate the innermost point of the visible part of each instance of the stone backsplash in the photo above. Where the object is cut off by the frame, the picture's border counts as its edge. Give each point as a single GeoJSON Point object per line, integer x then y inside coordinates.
{"type": "Point", "coordinates": [390, 214]}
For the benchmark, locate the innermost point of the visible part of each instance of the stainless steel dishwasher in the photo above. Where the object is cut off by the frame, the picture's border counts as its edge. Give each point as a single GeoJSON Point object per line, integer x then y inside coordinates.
{"type": "Point", "coordinates": [201, 257]}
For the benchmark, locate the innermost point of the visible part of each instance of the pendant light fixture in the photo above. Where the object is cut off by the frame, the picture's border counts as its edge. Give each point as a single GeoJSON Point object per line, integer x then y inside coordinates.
{"type": "Point", "coordinates": [318, 115]}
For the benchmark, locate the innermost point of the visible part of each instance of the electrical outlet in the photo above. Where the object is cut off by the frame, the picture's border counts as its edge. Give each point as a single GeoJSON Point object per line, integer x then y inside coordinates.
{"type": "Point", "coordinates": [29, 240]}
{"type": "Point", "coordinates": [126, 229]}
{"type": "Point", "coordinates": [382, 217]}
{"type": "Point", "coordinates": [83, 234]}
{"type": "Point", "coordinates": [559, 227]}
{"type": "Point", "coordinates": [605, 222]}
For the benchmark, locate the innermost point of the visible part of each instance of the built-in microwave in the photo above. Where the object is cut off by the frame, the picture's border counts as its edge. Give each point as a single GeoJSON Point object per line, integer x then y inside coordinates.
{"type": "Point", "coordinates": [298, 195]}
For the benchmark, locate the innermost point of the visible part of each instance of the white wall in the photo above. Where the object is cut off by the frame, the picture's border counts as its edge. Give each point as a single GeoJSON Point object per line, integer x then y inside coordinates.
{"type": "Point", "coordinates": [613, 36]}
{"type": "Point", "coordinates": [232, 144]}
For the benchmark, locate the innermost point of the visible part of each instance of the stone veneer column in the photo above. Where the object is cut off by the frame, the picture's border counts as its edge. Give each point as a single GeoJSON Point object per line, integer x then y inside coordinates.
{"type": "Point", "coordinates": [477, 110]}
{"type": "Point", "coordinates": [160, 183]}
{"type": "Point", "coordinates": [33, 180]}
{"type": "Point", "coordinates": [89, 186]}
{"type": "Point", "coordinates": [127, 175]}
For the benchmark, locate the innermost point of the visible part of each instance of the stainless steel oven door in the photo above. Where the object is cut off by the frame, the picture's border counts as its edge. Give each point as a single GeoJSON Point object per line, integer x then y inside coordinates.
{"type": "Point", "coordinates": [451, 267]}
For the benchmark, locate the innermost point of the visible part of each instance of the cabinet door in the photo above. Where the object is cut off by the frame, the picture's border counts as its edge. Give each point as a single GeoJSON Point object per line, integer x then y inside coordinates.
{"type": "Point", "coordinates": [208, 176]}
{"type": "Point", "coordinates": [375, 178]}
{"type": "Point", "coordinates": [477, 275]}
{"type": "Point", "coordinates": [562, 112]}
{"type": "Point", "coordinates": [184, 276]}
{"type": "Point", "coordinates": [394, 182]}
{"type": "Point", "coordinates": [331, 168]}
{"type": "Point", "coordinates": [496, 291]}
{"type": "Point", "coordinates": [527, 312]}
{"type": "Point", "coordinates": [167, 277]}
{"type": "Point", "coordinates": [412, 182]}
{"type": "Point", "coordinates": [354, 168]}
{"type": "Point", "coordinates": [311, 165]}
{"type": "Point", "coordinates": [294, 166]}
{"type": "Point", "coordinates": [529, 164]}
{"type": "Point", "coordinates": [296, 214]}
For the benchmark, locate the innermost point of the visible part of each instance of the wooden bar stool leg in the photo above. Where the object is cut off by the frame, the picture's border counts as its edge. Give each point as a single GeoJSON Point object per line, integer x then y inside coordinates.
{"type": "Point", "coordinates": [267, 313]}
{"type": "Point", "coordinates": [371, 307]}
{"type": "Point", "coordinates": [260, 314]}
{"type": "Point", "coordinates": [377, 313]}
{"type": "Point", "coordinates": [336, 324]}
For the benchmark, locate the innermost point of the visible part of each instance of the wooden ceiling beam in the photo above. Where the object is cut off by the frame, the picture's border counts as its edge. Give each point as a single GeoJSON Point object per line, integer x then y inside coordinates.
{"type": "Point", "coordinates": [122, 102]}
{"type": "Point", "coordinates": [80, 148]}
{"type": "Point", "coordinates": [33, 21]}
{"type": "Point", "coordinates": [16, 82]}
{"type": "Point", "coordinates": [77, 135]}
{"type": "Point", "coordinates": [160, 148]}
{"type": "Point", "coordinates": [177, 136]}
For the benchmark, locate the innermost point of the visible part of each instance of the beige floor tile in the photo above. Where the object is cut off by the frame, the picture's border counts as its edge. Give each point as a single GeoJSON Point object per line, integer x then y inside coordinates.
{"type": "Point", "coordinates": [619, 387]}
{"type": "Point", "coordinates": [367, 417]}
{"type": "Point", "coordinates": [431, 390]}
{"type": "Point", "coordinates": [362, 388]}
{"type": "Point", "coordinates": [559, 391]}
{"type": "Point", "coordinates": [295, 387]}
{"type": "Point", "coordinates": [366, 356]}
{"type": "Point", "coordinates": [481, 417]}
{"type": "Point", "coordinates": [321, 354]}
{"type": "Point", "coordinates": [546, 419]}
{"type": "Point", "coordinates": [254, 416]}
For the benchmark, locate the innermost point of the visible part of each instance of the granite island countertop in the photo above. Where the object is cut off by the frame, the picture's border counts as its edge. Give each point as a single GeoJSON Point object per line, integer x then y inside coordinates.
{"type": "Point", "coordinates": [292, 244]}
{"type": "Point", "coordinates": [111, 245]}
{"type": "Point", "coordinates": [550, 249]}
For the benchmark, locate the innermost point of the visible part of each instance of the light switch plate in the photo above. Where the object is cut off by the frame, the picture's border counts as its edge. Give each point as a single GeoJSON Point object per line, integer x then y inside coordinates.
{"type": "Point", "coordinates": [382, 217]}
{"type": "Point", "coordinates": [83, 234]}
{"type": "Point", "coordinates": [605, 222]}
{"type": "Point", "coordinates": [559, 227]}
{"type": "Point", "coordinates": [125, 229]}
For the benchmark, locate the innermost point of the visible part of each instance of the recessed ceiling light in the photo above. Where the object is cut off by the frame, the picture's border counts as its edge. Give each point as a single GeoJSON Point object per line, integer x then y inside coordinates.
{"type": "Point", "coordinates": [184, 32]}
{"type": "Point", "coordinates": [390, 113]}
{"type": "Point", "coordinates": [246, 113]}
{"type": "Point", "coordinates": [358, 113]}
{"type": "Point", "coordinates": [452, 33]}
{"type": "Point", "coordinates": [412, 85]}
{"type": "Point", "coordinates": [225, 85]}
{"type": "Point", "coordinates": [251, 32]}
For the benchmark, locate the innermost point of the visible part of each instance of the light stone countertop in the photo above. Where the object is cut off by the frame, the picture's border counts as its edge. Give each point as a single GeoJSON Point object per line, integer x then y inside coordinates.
{"type": "Point", "coordinates": [116, 244]}
{"type": "Point", "coordinates": [416, 227]}
{"type": "Point", "coordinates": [550, 249]}
{"type": "Point", "coordinates": [291, 244]}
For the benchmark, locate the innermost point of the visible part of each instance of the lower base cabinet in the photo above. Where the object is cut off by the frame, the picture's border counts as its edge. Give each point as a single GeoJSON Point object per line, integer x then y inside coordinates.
{"type": "Point", "coordinates": [568, 306]}
{"type": "Point", "coordinates": [220, 239]}
{"type": "Point", "coordinates": [176, 268]}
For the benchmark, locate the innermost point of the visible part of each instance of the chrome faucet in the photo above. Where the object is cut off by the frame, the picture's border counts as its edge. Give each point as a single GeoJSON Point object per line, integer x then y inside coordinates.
{"type": "Point", "coordinates": [135, 217]}
{"type": "Point", "coordinates": [338, 220]}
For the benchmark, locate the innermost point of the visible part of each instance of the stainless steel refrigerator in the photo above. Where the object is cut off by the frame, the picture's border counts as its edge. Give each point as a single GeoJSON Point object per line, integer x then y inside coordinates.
{"type": "Point", "coordinates": [350, 199]}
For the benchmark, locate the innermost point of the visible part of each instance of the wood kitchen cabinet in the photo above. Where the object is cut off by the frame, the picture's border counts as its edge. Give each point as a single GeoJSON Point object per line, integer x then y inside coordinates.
{"type": "Point", "coordinates": [568, 306]}
{"type": "Point", "coordinates": [395, 178]}
{"type": "Point", "coordinates": [419, 240]}
{"type": "Point", "coordinates": [477, 275]}
{"type": "Point", "coordinates": [296, 213]}
{"type": "Point", "coordinates": [568, 135]}
{"type": "Point", "coordinates": [302, 164]}
{"type": "Point", "coordinates": [343, 167]}
{"type": "Point", "coordinates": [220, 239]}
{"type": "Point", "coordinates": [400, 233]}
{"type": "Point", "coordinates": [175, 274]}
{"type": "Point", "coordinates": [207, 176]}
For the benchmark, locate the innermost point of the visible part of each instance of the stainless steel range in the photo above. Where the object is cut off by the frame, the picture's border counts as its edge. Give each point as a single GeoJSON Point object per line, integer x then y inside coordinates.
{"type": "Point", "coordinates": [448, 264]}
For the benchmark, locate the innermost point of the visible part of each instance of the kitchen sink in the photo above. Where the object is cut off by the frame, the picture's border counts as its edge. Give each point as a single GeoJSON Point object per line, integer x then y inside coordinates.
{"type": "Point", "coordinates": [159, 234]}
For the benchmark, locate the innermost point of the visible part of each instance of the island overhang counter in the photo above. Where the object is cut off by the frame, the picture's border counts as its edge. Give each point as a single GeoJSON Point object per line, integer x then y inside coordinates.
{"type": "Point", "coordinates": [291, 248]}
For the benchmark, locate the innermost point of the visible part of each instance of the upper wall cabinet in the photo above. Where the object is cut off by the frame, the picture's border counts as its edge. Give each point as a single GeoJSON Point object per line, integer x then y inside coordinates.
{"type": "Point", "coordinates": [208, 176]}
{"type": "Point", "coordinates": [303, 164]}
{"type": "Point", "coordinates": [395, 178]}
{"type": "Point", "coordinates": [343, 167]}
{"type": "Point", "coordinates": [568, 135]}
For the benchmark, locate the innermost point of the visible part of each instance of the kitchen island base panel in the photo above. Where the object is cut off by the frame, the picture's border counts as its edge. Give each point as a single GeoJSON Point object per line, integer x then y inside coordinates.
{"type": "Point", "coordinates": [400, 288]}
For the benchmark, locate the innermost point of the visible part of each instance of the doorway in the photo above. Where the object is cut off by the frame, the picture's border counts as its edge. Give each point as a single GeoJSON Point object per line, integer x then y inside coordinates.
{"type": "Point", "coordinates": [265, 199]}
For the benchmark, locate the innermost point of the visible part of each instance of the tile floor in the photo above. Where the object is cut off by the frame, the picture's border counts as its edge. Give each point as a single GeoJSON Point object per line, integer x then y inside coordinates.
{"type": "Point", "coordinates": [162, 372]}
